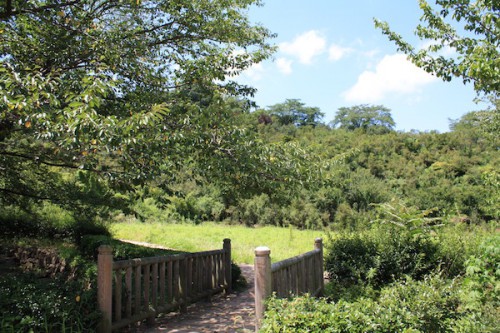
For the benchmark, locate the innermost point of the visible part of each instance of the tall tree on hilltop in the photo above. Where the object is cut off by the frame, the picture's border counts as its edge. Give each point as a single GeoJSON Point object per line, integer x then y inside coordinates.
{"type": "Point", "coordinates": [369, 118]}
{"type": "Point", "coordinates": [294, 112]}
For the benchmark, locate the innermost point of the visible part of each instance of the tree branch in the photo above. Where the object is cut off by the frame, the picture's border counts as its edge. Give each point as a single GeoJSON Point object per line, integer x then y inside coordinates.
{"type": "Point", "coordinates": [32, 196]}
{"type": "Point", "coordinates": [10, 12]}
{"type": "Point", "coordinates": [36, 159]}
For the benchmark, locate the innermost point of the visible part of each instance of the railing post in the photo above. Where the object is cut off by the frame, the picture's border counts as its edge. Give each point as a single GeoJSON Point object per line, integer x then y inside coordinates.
{"type": "Point", "coordinates": [104, 286]}
{"type": "Point", "coordinates": [318, 244]}
{"type": "Point", "coordinates": [262, 267]}
{"type": "Point", "coordinates": [227, 264]}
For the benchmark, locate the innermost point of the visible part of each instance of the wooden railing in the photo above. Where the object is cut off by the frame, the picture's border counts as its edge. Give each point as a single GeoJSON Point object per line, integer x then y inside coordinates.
{"type": "Point", "coordinates": [291, 277]}
{"type": "Point", "coordinates": [133, 290]}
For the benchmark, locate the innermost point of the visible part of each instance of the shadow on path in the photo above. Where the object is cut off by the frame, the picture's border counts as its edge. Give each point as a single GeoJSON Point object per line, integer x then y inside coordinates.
{"type": "Point", "coordinates": [223, 313]}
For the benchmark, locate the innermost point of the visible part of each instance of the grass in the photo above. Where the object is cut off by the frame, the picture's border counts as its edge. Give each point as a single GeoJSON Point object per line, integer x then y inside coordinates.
{"type": "Point", "coordinates": [283, 242]}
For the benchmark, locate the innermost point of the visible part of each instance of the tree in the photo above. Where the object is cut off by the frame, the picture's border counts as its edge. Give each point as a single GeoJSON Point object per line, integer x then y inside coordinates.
{"type": "Point", "coordinates": [294, 112]}
{"type": "Point", "coordinates": [474, 37]}
{"type": "Point", "coordinates": [121, 89]}
{"type": "Point", "coordinates": [369, 118]}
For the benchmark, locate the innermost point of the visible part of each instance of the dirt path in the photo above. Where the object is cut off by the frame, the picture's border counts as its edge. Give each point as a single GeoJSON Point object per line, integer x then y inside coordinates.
{"type": "Point", "coordinates": [223, 313]}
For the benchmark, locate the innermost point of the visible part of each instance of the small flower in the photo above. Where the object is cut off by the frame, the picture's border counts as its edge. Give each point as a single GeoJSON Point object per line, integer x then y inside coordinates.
{"type": "Point", "coordinates": [77, 298]}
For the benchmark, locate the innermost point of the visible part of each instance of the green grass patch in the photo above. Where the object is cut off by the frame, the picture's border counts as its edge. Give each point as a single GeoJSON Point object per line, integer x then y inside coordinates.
{"type": "Point", "coordinates": [283, 242]}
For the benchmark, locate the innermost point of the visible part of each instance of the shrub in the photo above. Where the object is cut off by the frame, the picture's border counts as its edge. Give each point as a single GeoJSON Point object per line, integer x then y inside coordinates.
{"type": "Point", "coordinates": [350, 258]}
{"type": "Point", "coordinates": [482, 282]}
{"type": "Point", "coordinates": [258, 210]}
{"type": "Point", "coordinates": [401, 242]}
{"type": "Point", "coordinates": [304, 215]}
{"type": "Point", "coordinates": [149, 210]}
{"type": "Point", "coordinates": [430, 305]}
{"type": "Point", "coordinates": [50, 221]}
{"type": "Point", "coordinates": [348, 218]}
{"type": "Point", "coordinates": [31, 304]}
{"type": "Point", "coordinates": [121, 250]}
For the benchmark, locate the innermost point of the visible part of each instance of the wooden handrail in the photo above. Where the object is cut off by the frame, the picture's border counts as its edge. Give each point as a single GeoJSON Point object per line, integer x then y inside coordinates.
{"type": "Point", "coordinates": [145, 287]}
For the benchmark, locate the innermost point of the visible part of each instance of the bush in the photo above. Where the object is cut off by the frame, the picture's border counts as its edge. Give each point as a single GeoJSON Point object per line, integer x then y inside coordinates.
{"type": "Point", "coordinates": [31, 304]}
{"type": "Point", "coordinates": [89, 245]}
{"type": "Point", "coordinates": [350, 258]}
{"type": "Point", "coordinates": [304, 215]}
{"type": "Point", "coordinates": [401, 253]}
{"type": "Point", "coordinates": [482, 282]}
{"type": "Point", "coordinates": [258, 210]}
{"type": "Point", "coordinates": [149, 210]}
{"type": "Point", "coordinates": [430, 305]}
{"type": "Point", "coordinates": [402, 242]}
{"type": "Point", "coordinates": [50, 221]}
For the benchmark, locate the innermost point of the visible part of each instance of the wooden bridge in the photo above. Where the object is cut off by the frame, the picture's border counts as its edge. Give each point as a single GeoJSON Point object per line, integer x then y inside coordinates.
{"type": "Point", "coordinates": [153, 289]}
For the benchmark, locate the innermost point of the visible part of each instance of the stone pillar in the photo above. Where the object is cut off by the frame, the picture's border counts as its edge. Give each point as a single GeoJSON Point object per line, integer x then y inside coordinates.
{"type": "Point", "coordinates": [318, 244]}
{"type": "Point", "coordinates": [227, 264]}
{"type": "Point", "coordinates": [263, 286]}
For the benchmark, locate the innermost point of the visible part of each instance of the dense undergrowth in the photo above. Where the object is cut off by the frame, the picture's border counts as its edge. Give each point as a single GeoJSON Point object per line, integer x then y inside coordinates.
{"type": "Point", "coordinates": [32, 301]}
{"type": "Point", "coordinates": [406, 273]}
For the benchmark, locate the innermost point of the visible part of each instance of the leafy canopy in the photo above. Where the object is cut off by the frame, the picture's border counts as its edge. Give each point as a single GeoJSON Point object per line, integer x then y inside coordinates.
{"type": "Point", "coordinates": [369, 118]}
{"type": "Point", "coordinates": [471, 29]}
{"type": "Point", "coordinates": [294, 112]}
{"type": "Point", "coordinates": [124, 89]}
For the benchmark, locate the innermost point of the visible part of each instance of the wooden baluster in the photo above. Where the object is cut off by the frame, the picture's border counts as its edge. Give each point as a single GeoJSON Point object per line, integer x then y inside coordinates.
{"type": "Point", "coordinates": [170, 282]}
{"type": "Point", "coordinates": [154, 278]}
{"type": "Point", "coordinates": [318, 244]}
{"type": "Point", "coordinates": [189, 278]}
{"type": "Point", "coordinates": [177, 287]}
{"type": "Point", "coordinates": [138, 288]}
{"type": "Point", "coordinates": [303, 277]}
{"type": "Point", "coordinates": [147, 286]}
{"type": "Point", "coordinates": [227, 264]}
{"type": "Point", "coordinates": [162, 283]}
{"type": "Point", "coordinates": [128, 292]}
{"type": "Point", "coordinates": [118, 295]}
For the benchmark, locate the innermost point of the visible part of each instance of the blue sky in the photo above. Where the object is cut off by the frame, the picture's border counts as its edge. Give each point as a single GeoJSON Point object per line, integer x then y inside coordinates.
{"type": "Point", "coordinates": [330, 55]}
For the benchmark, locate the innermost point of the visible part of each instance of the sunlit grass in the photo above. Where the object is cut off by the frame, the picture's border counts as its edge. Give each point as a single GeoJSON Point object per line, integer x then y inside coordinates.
{"type": "Point", "coordinates": [283, 242]}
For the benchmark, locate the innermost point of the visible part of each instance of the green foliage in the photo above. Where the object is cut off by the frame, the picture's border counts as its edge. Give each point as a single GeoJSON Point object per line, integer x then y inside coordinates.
{"type": "Point", "coordinates": [431, 305]}
{"type": "Point", "coordinates": [32, 304]}
{"type": "Point", "coordinates": [257, 210]}
{"type": "Point", "coordinates": [483, 274]}
{"type": "Point", "coordinates": [121, 250]}
{"type": "Point", "coordinates": [66, 303]}
{"type": "Point", "coordinates": [47, 220]}
{"type": "Point", "coordinates": [304, 215]}
{"type": "Point", "coordinates": [351, 258]}
{"type": "Point", "coordinates": [294, 112]}
{"type": "Point", "coordinates": [97, 96]}
{"type": "Point", "coordinates": [467, 303]}
{"type": "Point", "coordinates": [470, 29]}
{"type": "Point", "coordinates": [363, 190]}
{"type": "Point", "coordinates": [375, 119]}
{"type": "Point", "coordinates": [400, 243]}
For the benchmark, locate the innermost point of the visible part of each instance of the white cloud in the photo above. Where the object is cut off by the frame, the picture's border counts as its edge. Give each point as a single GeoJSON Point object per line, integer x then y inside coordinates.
{"type": "Point", "coordinates": [371, 53]}
{"type": "Point", "coordinates": [305, 47]}
{"type": "Point", "coordinates": [337, 52]}
{"type": "Point", "coordinates": [393, 74]}
{"type": "Point", "coordinates": [284, 65]}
